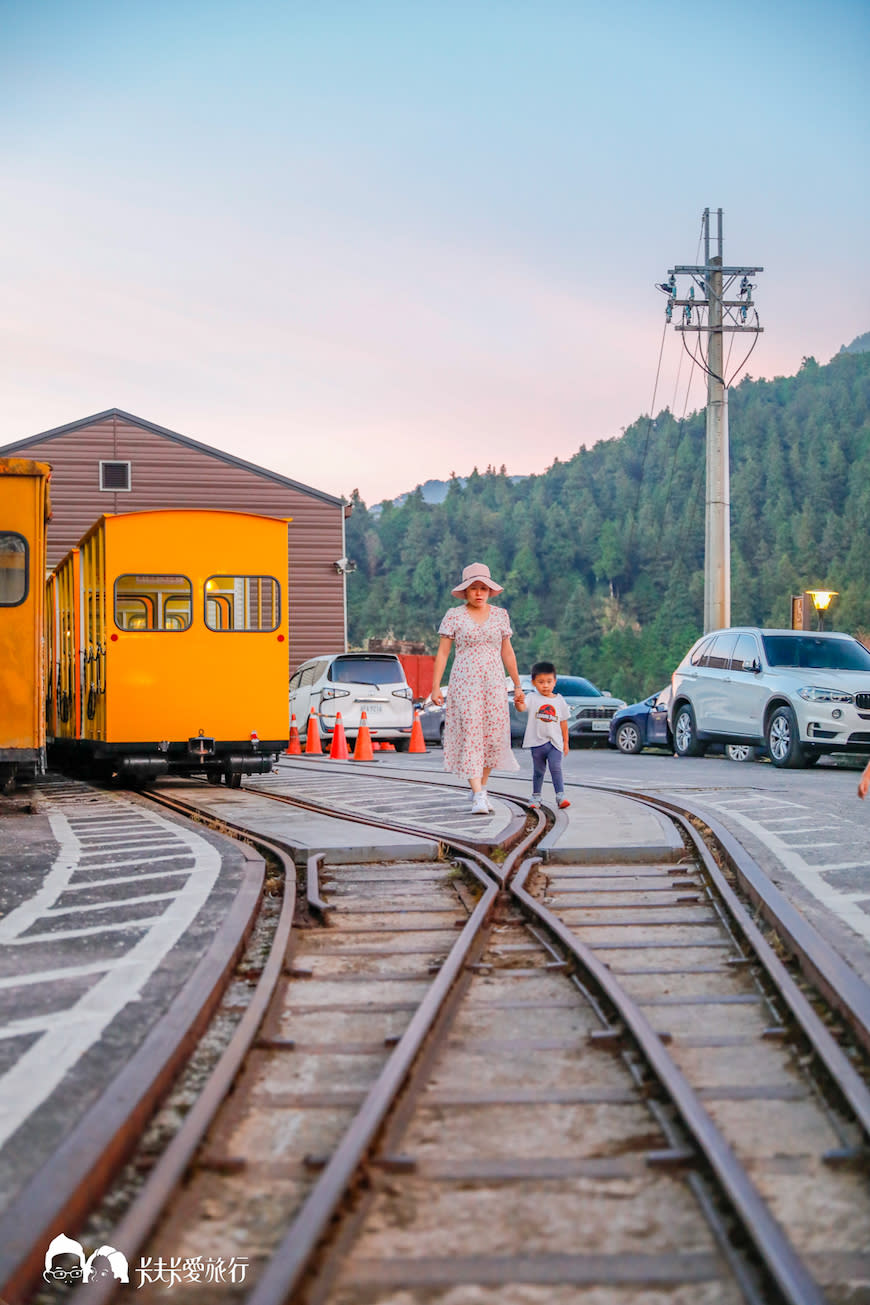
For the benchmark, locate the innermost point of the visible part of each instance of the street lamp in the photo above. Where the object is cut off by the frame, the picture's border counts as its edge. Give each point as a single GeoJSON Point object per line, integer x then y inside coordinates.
{"type": "Point", "coordinates": [821, 602]}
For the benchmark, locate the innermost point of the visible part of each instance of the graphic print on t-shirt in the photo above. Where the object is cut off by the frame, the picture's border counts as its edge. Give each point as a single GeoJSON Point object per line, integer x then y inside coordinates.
{"type": "Point", "coordinates": [547, 713]}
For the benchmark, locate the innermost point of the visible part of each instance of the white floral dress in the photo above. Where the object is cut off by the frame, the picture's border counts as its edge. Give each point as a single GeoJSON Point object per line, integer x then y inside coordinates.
{"type": "Point", "coordinates": [476, 722]}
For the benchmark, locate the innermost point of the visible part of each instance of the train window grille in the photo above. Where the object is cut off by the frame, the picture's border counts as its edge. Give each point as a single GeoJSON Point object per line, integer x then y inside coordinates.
{"type": "Point", "coordinates": [14, 568]}
{"type": "Point", "coordinates": [250, 603]}
{"type": "Point", "coordinates": [115, 476]}
{"type": "Point", "coordinates": [153, 603]}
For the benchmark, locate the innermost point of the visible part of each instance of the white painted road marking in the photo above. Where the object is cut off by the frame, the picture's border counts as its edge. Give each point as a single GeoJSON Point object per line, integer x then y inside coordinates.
{"type": "Point", "coordinates": [842, 904]}
{"type": "Point", "coordinates": [66, 1035]}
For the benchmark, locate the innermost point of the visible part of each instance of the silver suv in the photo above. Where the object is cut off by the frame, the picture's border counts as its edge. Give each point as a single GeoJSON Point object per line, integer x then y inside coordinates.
{"type": "Point", "coordinates": [351, 683]}
{"type": "Point", "coordinates": [799, 694]}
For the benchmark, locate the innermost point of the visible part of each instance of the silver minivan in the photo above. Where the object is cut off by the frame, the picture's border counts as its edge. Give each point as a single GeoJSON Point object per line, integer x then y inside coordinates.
{"type": "Point", "coordinates": [351, 683]}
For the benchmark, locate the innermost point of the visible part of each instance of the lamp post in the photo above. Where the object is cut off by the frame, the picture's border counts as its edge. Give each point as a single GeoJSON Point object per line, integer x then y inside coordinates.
{"type": "Point", "coordinates": [821, 602]}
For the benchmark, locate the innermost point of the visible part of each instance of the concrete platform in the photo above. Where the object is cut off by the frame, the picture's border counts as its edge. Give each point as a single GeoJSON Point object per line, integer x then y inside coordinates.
{"type": "Point", "coordinates": [341, 841]}
{"type": "Point", "coordinates": [597, 828]}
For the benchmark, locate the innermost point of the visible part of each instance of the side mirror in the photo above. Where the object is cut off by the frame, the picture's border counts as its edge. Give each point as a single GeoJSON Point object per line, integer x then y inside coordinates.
{"type": "Point", "coordinates": [753, 665]}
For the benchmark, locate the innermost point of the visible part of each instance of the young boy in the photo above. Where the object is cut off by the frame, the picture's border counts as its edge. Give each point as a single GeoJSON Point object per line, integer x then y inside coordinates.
{"type": "Point", "coordinates": [546, 731]}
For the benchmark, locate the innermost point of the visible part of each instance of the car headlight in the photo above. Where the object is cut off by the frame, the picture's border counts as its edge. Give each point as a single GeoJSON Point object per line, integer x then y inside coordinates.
{"type": "Point", "coordinates": [815, 693]}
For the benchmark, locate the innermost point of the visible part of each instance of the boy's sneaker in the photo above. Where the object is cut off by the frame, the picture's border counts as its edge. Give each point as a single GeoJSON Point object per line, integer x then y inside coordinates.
{"type": "Point", "coordinates": [479, 805]}
{"type": "Point", "coordinates": [562, 801]}
{"type": "Point", "coordinates": [534, 800]}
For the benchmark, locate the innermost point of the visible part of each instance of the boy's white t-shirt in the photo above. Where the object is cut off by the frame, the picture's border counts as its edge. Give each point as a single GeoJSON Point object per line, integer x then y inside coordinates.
{"type": "Point", "coordinates": [544, 720]}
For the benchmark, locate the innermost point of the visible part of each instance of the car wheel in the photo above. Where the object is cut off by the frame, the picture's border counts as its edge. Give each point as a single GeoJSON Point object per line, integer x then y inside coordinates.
{"type": "Point", "coordinates": [628, 737]}
{"type": "Point", "coordinates": [686, 742]}
{"type": "Point", "coordinates": [783, 740]}
{"type": "Point", "coordinates": [402, 745]}
{"type": "Point", "coordinates": [741, 752]}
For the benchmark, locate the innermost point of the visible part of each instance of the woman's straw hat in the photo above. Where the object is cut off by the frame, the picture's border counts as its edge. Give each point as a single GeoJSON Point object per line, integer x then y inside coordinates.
{"type": "Point", "coordinates": [477, 573]}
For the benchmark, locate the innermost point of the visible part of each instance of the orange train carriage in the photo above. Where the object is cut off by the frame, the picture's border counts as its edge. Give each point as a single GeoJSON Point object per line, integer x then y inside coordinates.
{"type": "Point", "coordinates": [24, 513]}
{"type": "Point", "coordinates": [167, 646]}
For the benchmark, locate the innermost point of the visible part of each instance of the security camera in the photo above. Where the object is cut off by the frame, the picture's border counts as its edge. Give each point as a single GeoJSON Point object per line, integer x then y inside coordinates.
{"type": "Point", "coordinates": [344, 566]}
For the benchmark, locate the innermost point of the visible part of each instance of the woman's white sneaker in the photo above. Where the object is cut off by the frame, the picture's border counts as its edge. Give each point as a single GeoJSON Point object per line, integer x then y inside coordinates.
{"type": "Point", "coordinates": [490, 808]}
{"type": "Point", "coordinates": [479, 805]}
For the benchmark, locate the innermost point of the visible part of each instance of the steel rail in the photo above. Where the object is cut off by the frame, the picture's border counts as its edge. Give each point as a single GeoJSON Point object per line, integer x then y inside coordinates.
{"type": "Point", "coordinates": [793, 1280]}
{"type": "Point", "coordinates": [293, 1257]}
{"type": "Point", "coordinates": [841, 987]}
{"type": "Point", "coordinates": [292, 1260]}
{"type": "Point", "coordinates": [151, 1202]}
{"type": "Point", "coordinates": [848, 1081]}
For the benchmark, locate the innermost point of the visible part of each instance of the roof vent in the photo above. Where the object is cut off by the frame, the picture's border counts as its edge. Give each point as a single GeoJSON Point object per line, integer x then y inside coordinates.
{"type": "Point", "coordinates": [115, 475]}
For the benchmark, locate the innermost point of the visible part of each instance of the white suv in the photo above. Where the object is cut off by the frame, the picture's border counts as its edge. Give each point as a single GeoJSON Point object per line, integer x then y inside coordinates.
{"type": "Point", "coordinates": [799, 694]}
{"type": "Point", "coordinates": [351, 683]}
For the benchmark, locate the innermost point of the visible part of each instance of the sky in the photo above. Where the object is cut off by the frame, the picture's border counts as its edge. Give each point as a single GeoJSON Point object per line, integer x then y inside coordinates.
{"type": "Point", "coordinates": [367, 243]}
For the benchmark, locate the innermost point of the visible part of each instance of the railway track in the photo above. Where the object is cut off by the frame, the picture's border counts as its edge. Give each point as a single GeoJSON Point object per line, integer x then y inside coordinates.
{"type": "Point", "coordinates": [485, 1078]}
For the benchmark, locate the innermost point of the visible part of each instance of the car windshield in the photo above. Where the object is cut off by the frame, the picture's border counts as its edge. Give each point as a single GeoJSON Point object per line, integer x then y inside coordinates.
{"type": "Point", "coordinates": [574, 686]}
{"type": "Point", "coordinates": [807, 652]}
{"type": "Point", "coordinates": [366, 670]}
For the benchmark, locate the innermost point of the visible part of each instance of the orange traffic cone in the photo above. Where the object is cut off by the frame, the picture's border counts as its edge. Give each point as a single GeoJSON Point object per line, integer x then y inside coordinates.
{"type": "Point", "coordinates": [338, 751]}
{"type": "Point", "coordinates": [312, 738]}
{"type": "Point", "coordinates": [363, 750]}
{"type": "Point", "coordinates": [418, 743]}
{"type": "Point", "coordinates": [294, 747]}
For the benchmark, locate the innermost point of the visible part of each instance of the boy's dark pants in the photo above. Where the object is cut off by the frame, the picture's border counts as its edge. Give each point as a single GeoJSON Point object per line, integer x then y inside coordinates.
{"type": "Point", "coordinates": [542, 755]}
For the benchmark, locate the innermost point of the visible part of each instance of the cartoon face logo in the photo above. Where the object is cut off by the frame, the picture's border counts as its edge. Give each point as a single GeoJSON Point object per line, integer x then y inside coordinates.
{"type": "Point", "coordinates": [106, 1263]}
{"type": "Point", "coordinates": [64, 1261]}
{"type": "Point", "coordinates": [65, 1264]}
{"type": "Point", "coordinates": [547, 713]}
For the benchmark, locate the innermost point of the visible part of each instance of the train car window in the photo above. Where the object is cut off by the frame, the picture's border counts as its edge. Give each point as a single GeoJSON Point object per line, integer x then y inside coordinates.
{"type": "Point", "coordinates": [156, 603]}
{"type": "Point", "coordinates": [242, 602]}
{"type": "Point", "coordinates": [14, 568]}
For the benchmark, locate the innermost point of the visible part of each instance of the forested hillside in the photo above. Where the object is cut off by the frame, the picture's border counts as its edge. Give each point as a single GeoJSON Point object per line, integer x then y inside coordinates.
{"type": "Point", "coordinates": [602, 556]}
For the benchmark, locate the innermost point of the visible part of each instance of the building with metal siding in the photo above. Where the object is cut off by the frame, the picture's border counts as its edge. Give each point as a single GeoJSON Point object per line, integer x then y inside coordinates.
{"type": "Point", "coordinates": [166, 470]}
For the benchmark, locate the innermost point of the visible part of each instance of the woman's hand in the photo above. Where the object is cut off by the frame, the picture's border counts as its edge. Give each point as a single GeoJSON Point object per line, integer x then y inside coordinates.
{"type": "Point", "coordinates": [864, 783]}
{"type": "Point", "coordinates": [519, 700]}
{"type": "Point", "coordinates": [436, 697]}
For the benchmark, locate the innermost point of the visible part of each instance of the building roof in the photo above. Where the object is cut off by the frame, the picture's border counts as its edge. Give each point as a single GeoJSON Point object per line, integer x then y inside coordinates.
{"type": "Point", "coordinates": [230, 458]}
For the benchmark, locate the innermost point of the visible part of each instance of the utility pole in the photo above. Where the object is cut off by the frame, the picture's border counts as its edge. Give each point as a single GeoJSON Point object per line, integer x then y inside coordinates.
{"type": "Point", "coordinates": [712, 315]}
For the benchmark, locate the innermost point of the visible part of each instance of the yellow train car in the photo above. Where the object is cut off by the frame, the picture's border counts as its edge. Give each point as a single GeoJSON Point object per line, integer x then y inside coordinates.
{"type": "Point", "coordinates": [24, 512]}
{"type": "Point", "coordinates": [168, 646]}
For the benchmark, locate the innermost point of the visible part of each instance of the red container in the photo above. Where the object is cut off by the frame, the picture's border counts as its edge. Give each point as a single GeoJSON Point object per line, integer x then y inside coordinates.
{"type": "Point", "coordinates": [418, 669]}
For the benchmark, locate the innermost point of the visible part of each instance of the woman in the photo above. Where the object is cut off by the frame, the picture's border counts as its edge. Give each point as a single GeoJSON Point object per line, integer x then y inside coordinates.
{"type": "Point", "coordinates": [477, 735]}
